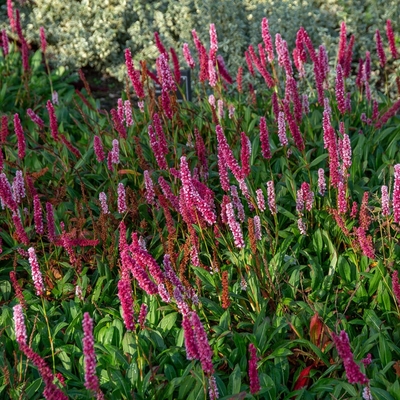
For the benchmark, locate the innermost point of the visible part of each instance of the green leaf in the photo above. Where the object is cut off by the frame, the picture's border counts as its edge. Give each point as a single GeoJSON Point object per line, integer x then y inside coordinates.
{"type": "Point", "coordinates": [235, 382]}
{"type": "Point", "coordinates": [168, 322]}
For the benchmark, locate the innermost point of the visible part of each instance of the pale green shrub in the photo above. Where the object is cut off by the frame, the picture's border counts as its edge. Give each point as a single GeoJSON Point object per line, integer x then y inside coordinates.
{"type": "Point", "coordinates": [96, 32]}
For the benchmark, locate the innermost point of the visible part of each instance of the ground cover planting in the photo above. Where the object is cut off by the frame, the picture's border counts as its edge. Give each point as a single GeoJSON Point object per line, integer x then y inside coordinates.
{"type": "Point", "coordinates": [241, 245]}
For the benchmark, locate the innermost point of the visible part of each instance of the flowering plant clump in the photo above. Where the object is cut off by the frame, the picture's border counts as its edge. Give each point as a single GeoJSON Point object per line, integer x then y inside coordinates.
{"type": "Point", "coordinates": [171, 249]}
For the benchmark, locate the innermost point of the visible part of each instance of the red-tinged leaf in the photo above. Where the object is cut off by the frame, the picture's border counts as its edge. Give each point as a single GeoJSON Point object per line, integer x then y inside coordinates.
{"type": "Point", "coordinates": [304, 379]}
{"type": "Point", "coordinates": [316, 327]}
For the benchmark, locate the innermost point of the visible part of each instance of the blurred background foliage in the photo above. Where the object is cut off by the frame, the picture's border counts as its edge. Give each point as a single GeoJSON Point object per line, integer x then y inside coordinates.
{"type": "Point", "coordinates": [95, 33]}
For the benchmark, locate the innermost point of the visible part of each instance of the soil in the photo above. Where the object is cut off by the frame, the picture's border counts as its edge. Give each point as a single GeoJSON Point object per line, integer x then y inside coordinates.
{"type": "Point", "coordinates": [104, 88]}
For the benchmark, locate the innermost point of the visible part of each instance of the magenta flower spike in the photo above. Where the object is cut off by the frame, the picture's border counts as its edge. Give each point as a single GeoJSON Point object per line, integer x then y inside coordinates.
{"type": "Point", "coordinates": [379, 48]}
{"type": "Point", "coordinates": [257, 227]}
{"type": "Point", "coordinates": [353, 372]}
{"type": "Point", "coordinates": [223, 71]}
{"type": "Point", "coordinates": [20, 136]}
{"type": "Point", "coordinates": [98, 149]}
{"type": "Point", "coordinates": [227, 154]}
{"type": "Point", "coordinates": [43, 41]}
{"type": "Point", "coordinates": [234, 227]}
{"type": "Point", "coordinates": [175, 61]}
{"type": "Point", "coordinates": [245, 154]}
{"type": "Point", "coordinates": [118, 122]}
{"type": "Point", "coordinates": [342, 44]}
{"type": "Point", "coordinates": [51, 228]}
{"type": "Point", "coordinates": [396, 193]}
{"type": "Point", "coordinates": [205, 352]}
{"type": "Point", "coordinates": [142, 315]}
{"type": "Point", "coordinates": [103, 203]}
{"type": "Point", "coordinates": [125, 297]}
{"type": "Point", "coordinates": [365, 243]}
{"type": "Point", "coordinates": [391, 112]}
{"type": "Point", "coordinates": [160, 45]}
{"type": "Point", "coordinates": [391, 40]}
{"type": "Point", "coordinates": [212, 74]}
{"type": "Point", "coordinates": [260, 200]}
{"type": "Point", "coordinates": [91, 379]}
{"type": "Point", "coordinates": [282, 129]}
{"type": "Point", "coordinates": [396, 286]}
{"type": "Point", "coordinates": [36, 274]}
{"type": "Point", "coordinates": [53, 120]}
{"type": "Point", "coordinates": [271, 197]}
{"type": "Point", "coordinates": [192, 351]}
{"type": "Point", "coordinates": [121, 198]}
{"type": "Point", "coordinates": [22, 236]}
{"type": "Point", "coordinates": [37, 215]}
{"type": "Point", "coordinates": [10, 13]}
{"type": "Point", "coordinates": [19, 324]}
{"type": "Point", "coordinates": [128, 113]}
{"type": "Point", "coordinates": [35, 118]}
{"type": "Point", "coordinates": [340, 94]}
{"type": "Point", "coordinates": [342, 202]}
{"type": "Point", "coordinates": [148, 183]}
{"type": "Point", "coordinates": [267, 39]}
{"type": "Point", "coordinates": [134, 75]}
{"type": "Point", "coordinates": [321, 182]}
{"type": "Point", "coordinates": [5, 42]}
{"type": "Point", "coordinates": [253, 374]}
{"type": "Point", "coordinates": [213, 44]}
{"type": "Point", "coordinates": [188, 56]}
{"type": "Point", "coordinates": [385, 201]}
{"type": "Point", "coordinates": [264, 139]}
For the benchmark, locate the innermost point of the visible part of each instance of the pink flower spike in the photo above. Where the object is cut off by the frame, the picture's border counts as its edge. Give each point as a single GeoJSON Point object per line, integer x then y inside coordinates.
{"type": "Point", "coordinates": [142, 315]}
{"type": "Point", "coordinates": [234, 226]}
{"type": "Point", "coordinates": [35, 118]}
{"type": "Point", "coordinates": [37, 215]}
{"type": "Point", "coordinates": [43, 41]}
{"type": "Point", "coordinates": [396, 193]}
{"type": "Point", "coordinates": [5, 43]}
{"type": "Point", "coordinates": [36, 274]}
{"type": "Point", "coordinates": [282, 129]}
{"type": "Point", "coordinates": [213, 43]}
{"type": "Point", "coordinates": [91, 379]}
{"type": "Point", "coordinates": [125, 297]}
{"type": "Point", "coordinates": [19, 324]}
{"type": "Point", "coordinates": [271, 197]}
{"type": "Point", "coordinates": [103, 203]}
{"type": "Point", "coordinates": [264, 139]}
{"type": "Point", "coordinates": [150, 194]}
{"type": "Point", "coordinates": [253, 374]}
{"type": "Point", "coordinates": [212, 74]}
{"type": "Point", "coordinates": [354, 375]}
{"type": "Point", "coordinates": [260, 200]}
{"type": "Point", "coordinates": [385, 201]}
{"type": "Point", "coordinates": [160, 45]}
{"type": "Point", "coordinates": [379, 48]}
{"type": "Point", "coordinates": [205, 352]}
{"type": "Point", "coordinates": [121, 198]}
{"type": "Point", "coordinates": [267, 39]}
{"type": "Point", "coordinates": [20, 137]}
{"type": "Point", "coordinates": [342, 44]}
{"type": "Point", "coordinates": [53, 120]}
{"type": "Point", "coordinates": [51, 228]}
{"type": "Point", "coordinates": [98, 149]}
{"type": "Point", "coordinates": [321, 182]}
{"type": "Point", "coordinates": [188, 56]}
{"type": "Point", "coordinates": [340, 94]}
{"type": "Point", "coordinates": [391, 40]}
{"type": "Point", "coordinates": [396, 286]}
{"type": "Point", "coordinates": [10, 13]}
{"type": "Point", "coordinates": [134, 75]}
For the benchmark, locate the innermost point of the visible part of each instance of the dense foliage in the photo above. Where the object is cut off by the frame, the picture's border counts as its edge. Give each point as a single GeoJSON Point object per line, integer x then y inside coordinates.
{"type": "Point", "coordinates": [243, 245]}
